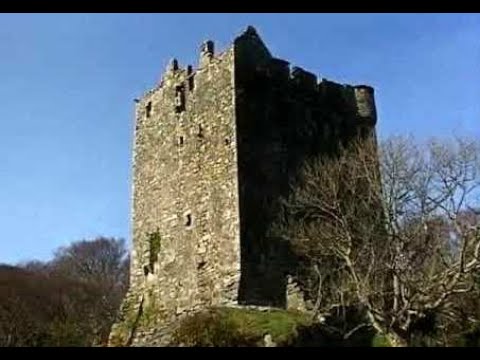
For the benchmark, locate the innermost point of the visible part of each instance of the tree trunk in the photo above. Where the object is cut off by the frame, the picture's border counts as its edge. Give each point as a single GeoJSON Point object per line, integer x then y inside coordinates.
{"type": "Point", "coordinates": [393, 337]}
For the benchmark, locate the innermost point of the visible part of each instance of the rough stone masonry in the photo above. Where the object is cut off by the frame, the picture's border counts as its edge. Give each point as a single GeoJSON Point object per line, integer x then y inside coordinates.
{"type": "Point", "coordinates": [215, 149]}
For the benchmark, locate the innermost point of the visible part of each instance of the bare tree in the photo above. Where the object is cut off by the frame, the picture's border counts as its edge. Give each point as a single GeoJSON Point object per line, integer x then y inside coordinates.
{"type": "Point", "coordinates": [101, 259]}
{"type": "Point", "coordinates": [69, 301]}
{"type": "Point", "coordinates": [40, 309]}
{"type": "Point", "coordinates": [104, 264]}
{"type": "Point", "coordinates": [393, 230]}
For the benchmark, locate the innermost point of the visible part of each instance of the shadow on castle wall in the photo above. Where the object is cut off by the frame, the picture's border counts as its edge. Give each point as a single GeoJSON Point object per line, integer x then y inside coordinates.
{"type": "Point", "coordinates": [284, 117]}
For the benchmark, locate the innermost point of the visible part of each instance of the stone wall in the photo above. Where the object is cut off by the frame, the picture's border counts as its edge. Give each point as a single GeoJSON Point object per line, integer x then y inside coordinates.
{"type": "Point", "coordinates": [185, 193]}
{"type": "Point", "coordinates": [284, 116]}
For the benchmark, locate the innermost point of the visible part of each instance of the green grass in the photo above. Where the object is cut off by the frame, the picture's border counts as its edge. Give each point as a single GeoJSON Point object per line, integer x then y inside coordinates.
{"type": "Point", "coordinates": [239, 327]}
{"type": "Point", "coordinates": [380, 340]}
{"type": "Point", "coordinates": [280, 324]}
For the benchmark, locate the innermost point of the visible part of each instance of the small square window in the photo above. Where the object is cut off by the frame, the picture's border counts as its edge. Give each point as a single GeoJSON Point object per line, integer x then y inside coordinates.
{"type": "Point", "coordinates": [146, 270]}
{"type": "Point", "coordinates": [188, 220]}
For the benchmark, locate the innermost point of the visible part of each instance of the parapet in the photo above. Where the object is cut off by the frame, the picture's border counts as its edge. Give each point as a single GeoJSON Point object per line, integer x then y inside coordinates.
{"type": "Point", "coordinates": [252, 58]}
{"type": "Point", "coordinates": [330, 89]}
{"type": "Point", "coordinates": [279, 69]}
{"type": "Point", "coordinates": [304, 79]}
{"type": "Point", "coordinates": [207, 52]}
{"type": "Point", "coordinates": [364, 97]}
{"type": "Point", "coordinates": [172, 65]}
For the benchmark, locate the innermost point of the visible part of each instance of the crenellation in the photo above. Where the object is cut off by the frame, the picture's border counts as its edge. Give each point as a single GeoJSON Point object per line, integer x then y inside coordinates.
{"type": "Point", "coordinates": [279, 71]}
{"type": "Point", "coordinates": [208, 48]}
{"type": "Point", "coordinates": [364, 96]}
{"type": "Point", "coordinates": [172, 66]}
{"type": "Point", "coordinates": [303, 80]}
{"type": "Point", "coordinates": [207, 53]}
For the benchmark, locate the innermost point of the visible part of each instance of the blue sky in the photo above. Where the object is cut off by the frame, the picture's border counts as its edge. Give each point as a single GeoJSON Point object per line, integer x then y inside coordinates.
{"type": "Point", "coordinates": [67, 84]}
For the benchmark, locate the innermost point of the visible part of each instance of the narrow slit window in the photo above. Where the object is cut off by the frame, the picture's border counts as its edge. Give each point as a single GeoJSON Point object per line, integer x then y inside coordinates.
{"type": "Point", "coordinates": [180, 140]}
{"type": "Point", "coordinates": [188, 220]}
{"type": "Point", "coordinates": [179, 99]}
{"type": "Point", "coordinates": [191, 83]}
{"type": "Point", "coordinates": [148, 109]}
{"type": "Point", "coordinates": [190, 75]}
{"type": "Point", "coordinates": [146, 270]}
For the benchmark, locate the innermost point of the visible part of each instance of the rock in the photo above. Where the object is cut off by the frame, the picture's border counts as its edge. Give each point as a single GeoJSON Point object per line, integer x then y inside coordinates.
{"type": "Point", "coordinates": [268, 341]}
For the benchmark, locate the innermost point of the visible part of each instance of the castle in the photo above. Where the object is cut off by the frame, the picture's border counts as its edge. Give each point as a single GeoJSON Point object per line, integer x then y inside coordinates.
{"type": "Point", "coordinates": [215, 149]}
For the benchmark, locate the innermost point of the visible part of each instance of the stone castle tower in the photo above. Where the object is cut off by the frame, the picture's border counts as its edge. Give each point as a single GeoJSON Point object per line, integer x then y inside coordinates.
{"type": "Point", "coordinates": [215, 149]}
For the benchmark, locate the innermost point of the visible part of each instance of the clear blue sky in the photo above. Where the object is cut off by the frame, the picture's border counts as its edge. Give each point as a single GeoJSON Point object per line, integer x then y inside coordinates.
{"type": "Point", "coordinates": [67, 84]}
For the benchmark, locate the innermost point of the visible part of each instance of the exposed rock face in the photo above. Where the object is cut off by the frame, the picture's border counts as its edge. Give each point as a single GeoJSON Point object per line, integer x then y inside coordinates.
{"type": "Point", "coordinates": [215, 149]}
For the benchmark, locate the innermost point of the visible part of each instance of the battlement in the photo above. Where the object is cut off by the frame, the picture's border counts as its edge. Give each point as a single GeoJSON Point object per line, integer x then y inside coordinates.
{"type": "Point", "coordinates": [253, 60]}
{"type": "Point", "coordinates": [303, 80]}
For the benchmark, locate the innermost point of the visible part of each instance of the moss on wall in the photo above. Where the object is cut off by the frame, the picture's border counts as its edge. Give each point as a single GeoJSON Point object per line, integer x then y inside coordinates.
{"type": "Point", "coordinates": [154, 240]}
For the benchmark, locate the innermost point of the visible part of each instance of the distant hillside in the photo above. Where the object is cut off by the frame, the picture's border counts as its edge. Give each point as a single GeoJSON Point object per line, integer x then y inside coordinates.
{"type": "Point", "coordinates": [36, 308]}
{"type": "Point", "coordinates": [56, 304]}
